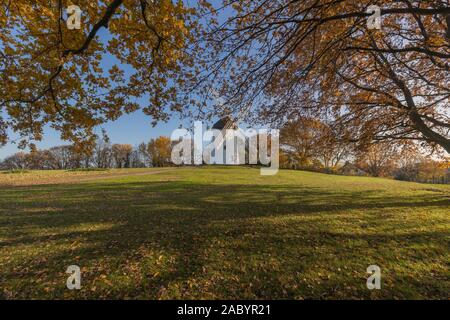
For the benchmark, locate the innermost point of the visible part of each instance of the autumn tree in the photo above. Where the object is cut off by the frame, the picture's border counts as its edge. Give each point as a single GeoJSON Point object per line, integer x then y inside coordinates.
{"type": "Point", "coordinates": [159, 150]}
{"type": "Point", "coordinates": [378, 159]}
{"type": "Point", "coordinates": [300, 139]}
{"type": "Point", "coordinates": [272, 61]}
{"type": "Point", "coordinates": [433, 171]}
{"type": "Point", "coordinates": [334, 145]}
{"type": "Point", "coordinates": [53, 75]}
{"type": "Point", "coordinates": [308, 140]}
{"type": "Point", "coordinates": [423, 169]}
{"type": "Point", "coordinates": [40, 160]}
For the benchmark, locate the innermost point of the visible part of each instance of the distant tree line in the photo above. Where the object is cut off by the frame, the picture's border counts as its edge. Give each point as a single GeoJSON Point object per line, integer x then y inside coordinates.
{"type": "Point", "coordinates": [314, 145]}
{"type": "Point", "coordinates": [305, 143]}
{"type": "Point", "coordinates": [155, 153]}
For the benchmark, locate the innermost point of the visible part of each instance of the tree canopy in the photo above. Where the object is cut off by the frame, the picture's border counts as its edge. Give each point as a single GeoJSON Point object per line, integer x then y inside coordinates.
{"type": "Point", "coordinates": [278, 60]}
{"type": "Point", "coordinates": [54, 75]}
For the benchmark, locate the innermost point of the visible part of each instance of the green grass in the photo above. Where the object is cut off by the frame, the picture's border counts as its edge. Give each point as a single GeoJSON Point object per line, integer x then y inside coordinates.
{"type": "Point", "coordinates": [225, 233]}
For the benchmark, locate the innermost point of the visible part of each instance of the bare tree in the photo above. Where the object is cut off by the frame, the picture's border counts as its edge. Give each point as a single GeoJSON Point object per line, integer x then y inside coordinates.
{"type": "Point", "coordinates": [18, 160]}
{"type": "Point", "coordinates": [121, 154]}
{"type": "Point", "coordinates": [62, 156]}
{"type": "Point", "coordinates": [102, 152]}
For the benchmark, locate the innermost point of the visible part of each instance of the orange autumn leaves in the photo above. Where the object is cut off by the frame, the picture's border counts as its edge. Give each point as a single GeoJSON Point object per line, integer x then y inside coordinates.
{"type": "Point", "coordinates": [74, 80]}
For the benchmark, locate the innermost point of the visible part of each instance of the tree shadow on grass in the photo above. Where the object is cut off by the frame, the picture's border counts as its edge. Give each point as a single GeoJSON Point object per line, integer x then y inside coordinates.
{"type": "Point", "coordinates": [182, 240]}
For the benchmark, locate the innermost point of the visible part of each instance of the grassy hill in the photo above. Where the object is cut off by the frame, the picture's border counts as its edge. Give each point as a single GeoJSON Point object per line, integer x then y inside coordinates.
{"type": "Point", "coordinates": [221, 232]}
